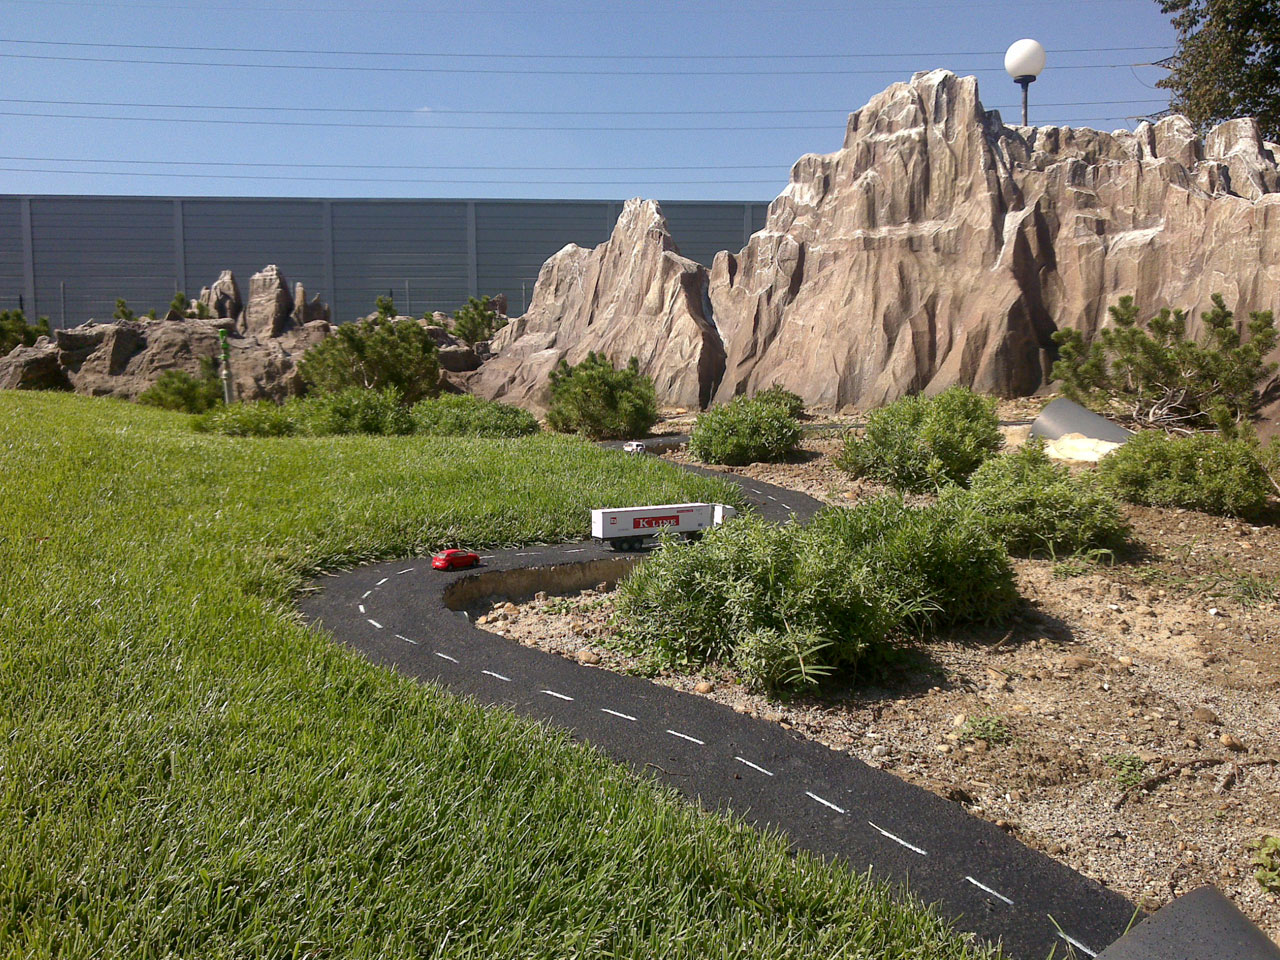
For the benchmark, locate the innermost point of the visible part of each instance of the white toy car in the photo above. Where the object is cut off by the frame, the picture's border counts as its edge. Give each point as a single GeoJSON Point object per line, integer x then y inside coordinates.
{"type": "Point", "coordinates": [634, 446]}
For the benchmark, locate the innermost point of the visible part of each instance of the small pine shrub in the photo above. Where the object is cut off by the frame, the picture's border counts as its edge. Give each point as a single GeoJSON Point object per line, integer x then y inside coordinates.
{"type": "Point", "coordinates": [15, 331]}
{"type": "Point", "coordinates": [476, 320]}
{"type": "Point", "coordinates": [454, 415]}
{"type": "Point", "coordinates": [601, 403]}
{"type": "Point", "coordinates": [355, 410]}
{"type": "Point", "coordinates": [744, 431]}
{"type": "Point", "coordinates": [1206, 472]}
{"type": "Point", "coordinates": [178, 390]}
{"type": "Point", "coordinates": [923, 443]}
{"type": "Point", "coordinates": [1034, 506]}
{"type": "Point", "coordinates": [375, 353]}
{"type": "Point", "coordinates": [780, 396]}
{"type": "Point", "coordinates": [122, 311]}
{"type": "Point", "coordinates": [261, 419]}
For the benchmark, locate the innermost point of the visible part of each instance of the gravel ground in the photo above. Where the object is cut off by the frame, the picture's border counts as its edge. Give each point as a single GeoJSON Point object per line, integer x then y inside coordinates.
{"type": "Point", "coordinates": [1160, 672]}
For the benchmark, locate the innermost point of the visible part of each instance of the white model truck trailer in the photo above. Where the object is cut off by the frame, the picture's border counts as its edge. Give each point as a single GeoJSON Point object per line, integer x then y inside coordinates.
{"type": "Point", "coordinates": [627, 528]}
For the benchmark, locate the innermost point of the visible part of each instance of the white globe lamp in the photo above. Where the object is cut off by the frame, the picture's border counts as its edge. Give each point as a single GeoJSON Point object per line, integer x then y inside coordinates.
{"type": "Point", "coordinates": [1024, 60]}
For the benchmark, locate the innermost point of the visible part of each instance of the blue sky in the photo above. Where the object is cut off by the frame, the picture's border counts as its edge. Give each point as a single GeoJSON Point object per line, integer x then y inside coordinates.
{"type": "Point", "coordinates": [701, 99]}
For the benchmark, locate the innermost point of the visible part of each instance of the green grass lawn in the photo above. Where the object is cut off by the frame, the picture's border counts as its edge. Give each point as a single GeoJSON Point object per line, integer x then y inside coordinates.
{"type": "Point", "coordinates": [185, 770]}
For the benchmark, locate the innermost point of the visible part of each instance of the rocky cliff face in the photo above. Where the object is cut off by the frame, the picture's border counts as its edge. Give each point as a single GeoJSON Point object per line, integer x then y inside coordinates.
{"type": "Point", "coordinates": [123, 358]}
{"type": "Point", "coordinates": [937, 246]}
{"type": "Point", "coordinates": [633, 295]}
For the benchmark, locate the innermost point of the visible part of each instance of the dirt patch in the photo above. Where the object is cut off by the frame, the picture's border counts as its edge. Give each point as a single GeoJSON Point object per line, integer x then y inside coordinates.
{"type": "Point", "coordinates": [1127, 723]}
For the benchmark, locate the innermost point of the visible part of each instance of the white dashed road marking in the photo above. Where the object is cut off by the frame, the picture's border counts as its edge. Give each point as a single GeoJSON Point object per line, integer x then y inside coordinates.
{"type": "Point", "coordinates": [1077, 944]}
{"type": "Point", "coordinates": [498, 675]}
{"type": "Point", "coordinates": [558, 696]}
{"type": "Point", "coordinates": [404, 571]}
{"type": "Point", "coordinates": [615, 713]}
{"type": "Point", "coordinates": [909, 846]}
{"type": "Point", "coordinates": [772, 497]}
{"type": "Point", "coordinates": [579, 550]}
{"type": "Point", "coordinates": [366, 595]}
{"type": "Point", "coordinates": [361, 607]}
{"type": "Point", "coordinates": [786, 506]}
{"type": "Point", "coordinates": [382, 581]}
{"type": "Point", "coordinates": [685, 736]}
{"type": "Point", "coordinates": [995, 893]}
{"type": "Point", "coordinates": [753, 766]}
{"type": "Point", "coordinates": [401, 636]}
{"type": "Point", "coordinates": [825, 803]}
{"type": "Point", "coordinates": [444, 656]}
{"type": "Point", "coordinates": [375, 623]}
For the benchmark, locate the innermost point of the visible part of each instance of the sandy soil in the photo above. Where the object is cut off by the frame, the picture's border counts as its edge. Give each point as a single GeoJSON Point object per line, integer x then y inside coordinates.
{"type": "Point", "coordinates": [1126, 723]}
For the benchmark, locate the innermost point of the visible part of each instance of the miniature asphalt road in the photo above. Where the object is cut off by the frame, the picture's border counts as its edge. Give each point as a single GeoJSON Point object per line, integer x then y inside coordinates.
{"type": "Point", "coordinates": [825, 801]}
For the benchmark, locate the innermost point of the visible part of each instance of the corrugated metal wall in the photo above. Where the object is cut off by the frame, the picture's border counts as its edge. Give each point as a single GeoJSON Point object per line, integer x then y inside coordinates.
{"type": "Point", "coordinates": [69, 258]}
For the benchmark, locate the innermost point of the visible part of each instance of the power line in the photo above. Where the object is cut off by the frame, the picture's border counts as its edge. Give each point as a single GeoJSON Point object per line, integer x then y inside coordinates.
{"type": "Point", "coordinates": [432, 111]}
{"type": "Point", "coordinates": [347, 125]}
{"type": "Point", "coordinates": [373, 68]}
{"type": "Point", "coordinates": [531, 183]}
{"type": "Point", "coordinates": [575, 56]}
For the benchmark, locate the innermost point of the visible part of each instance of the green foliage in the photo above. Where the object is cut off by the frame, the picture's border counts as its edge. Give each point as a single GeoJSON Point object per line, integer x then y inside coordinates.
{"type": "Point", "coordinates": [991, 728]}
{"type": "Point", "coordinates": [601, 403]}
{"type": "Point", "coordinates": [15, 331]}
{"type": "Point", "coordinates": [923, 443]}
{"type": "Point", "coordinates": [1129, 769]}
{"type": "Point", "coordinates": [354, 410]}
{"type": "Point", "coordinates": [1205, 472]}
{"type": "Point", "coordinates": [178, 390]}
{"type": "Point", "coordinates": [790, 604]}
{"type": "Point", "coordinates": [385, 308]}
{"type": "Point", "coordinates": [476, 320]}
{"type": "Point", "coordinates": [1159, 377]}
{"type": "Point", "coordinates": [1034, 506]}
{"type": "Point", "coordinates": [190, 770]}
{"type": "Point", "coordinates": [777, 661]}
{"type": "Point", "coordinates": [180, 304]}
{"type": "Point", "coordinates": [1228, 62]}
{"type": "Point", "coordinates": [122, 311]}
{"type": "Point", "coordinates": [779, 395]}
{"type": "Point", "coordinates": [462, 415]}
{"type": "Point", "coordinates": [373, 354]}
{"type": "Point", "coordinates": [1267, 859]}
{"type": "Point", "coordinates": [202, 310]}
{"type": "Point", "coordinates": [261, 419]}
{"type": "Point", "coordinates": [745, 431]}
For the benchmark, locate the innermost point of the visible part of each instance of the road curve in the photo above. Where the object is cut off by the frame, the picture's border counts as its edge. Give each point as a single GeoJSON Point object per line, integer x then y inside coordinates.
{"type": "Point", "coordinates": [398, 615]}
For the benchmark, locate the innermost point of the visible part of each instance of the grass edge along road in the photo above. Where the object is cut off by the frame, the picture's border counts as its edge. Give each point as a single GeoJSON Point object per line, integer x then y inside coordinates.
{"type": "Point", "coordinates": [186, 770]}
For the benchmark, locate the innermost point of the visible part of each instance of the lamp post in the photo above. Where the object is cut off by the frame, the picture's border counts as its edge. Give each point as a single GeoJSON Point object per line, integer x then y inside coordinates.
{"type": "Point", "coordinates": [1024, 61]}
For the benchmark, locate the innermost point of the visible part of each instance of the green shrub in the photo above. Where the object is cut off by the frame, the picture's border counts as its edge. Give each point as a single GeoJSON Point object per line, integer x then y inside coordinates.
{"type": "Point", "coordinates": [790, 604]}
{"type": "Point", "coordinates": [178, 390]}
{"type": "Point", "coordinates": [122, 311]}
{"type": "Point", "coordinates": [462, 415]}
{"type": "Point", "coordinates": [744, 431]}
{"type": "Point", "coordinates": [602, 403]}
{"type": "Point", "coordinates": [261, 419]}
{"type": "Point", "coordinates": [15, 331]}
{"type": "Point", "coordinates": [780, 396]}
{"type": "Point", "coordinates": [476, 320]}
{"type": "Point", "coordinates": [1205, 472]}
{"type": "Point", "coordinates": [372, 354]}
{"type": "Point", "coordinates": [922, 443]}
{"type": "Point", "coordinates": [777, 661]}
{"type": "Point", "coordinates": [1267, 859]}
{"type": "Point", "coordinates": [354, 410]}
{"type": "Point", "coordinates": [1159, 377]}
{"type": "Point", "coordinates": [1034, 506]}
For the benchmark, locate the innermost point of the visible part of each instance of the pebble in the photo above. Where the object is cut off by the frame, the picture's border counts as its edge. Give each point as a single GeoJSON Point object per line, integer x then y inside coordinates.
{"type": "Point", "coordinates": [704, 686]}
{"type": "Point", "coordinates": [943, 748]}
{"type": "Point", "coordinates": [1204, 715]}
{"type": "Point", "coordinates": [879, 750]}
{"type": "Point", "coordinates": [1231, 742]}
{"type": "Point", "coordinates": [1076, 662]}
{"type": "Point", "coordinates": [588, 656]}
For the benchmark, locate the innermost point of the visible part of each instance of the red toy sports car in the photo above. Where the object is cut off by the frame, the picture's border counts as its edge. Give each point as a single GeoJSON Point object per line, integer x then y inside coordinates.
{"type": "Point", "coordinates": [454, 560]}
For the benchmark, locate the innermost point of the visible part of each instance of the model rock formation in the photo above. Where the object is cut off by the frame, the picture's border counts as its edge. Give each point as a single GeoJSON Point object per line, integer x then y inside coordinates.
{"type": "Point", "coordinates": [633, 295]}
{"type": "Point", "coordinates": [937, 246]}
{"type": "Point", "coordinates": [123, 358]}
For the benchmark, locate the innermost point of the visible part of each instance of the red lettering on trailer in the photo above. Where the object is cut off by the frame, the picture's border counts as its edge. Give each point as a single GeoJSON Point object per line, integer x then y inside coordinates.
{"type": "Point", "coordinates": [649, 523]}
